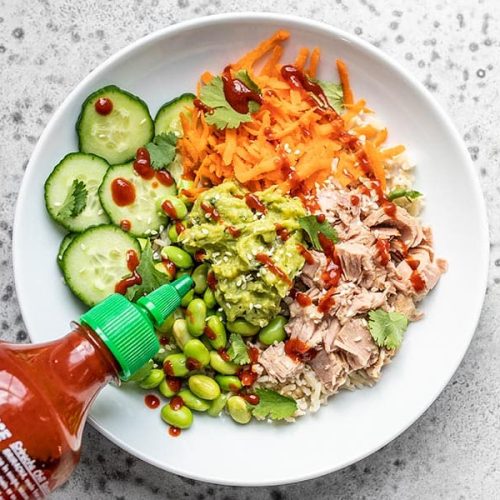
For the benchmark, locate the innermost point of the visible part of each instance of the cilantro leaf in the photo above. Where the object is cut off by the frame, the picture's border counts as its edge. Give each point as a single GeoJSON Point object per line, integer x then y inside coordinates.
{"type": "Point", "coordinates": [151, 277]}
{"type": "Point", "coordinates": [387, 328]}
{"type": "Point", "coordinates": [238, 350]}
{"type": "Point", "coordinates": [75, 201]}
{"type": "Point", "coordinates": [162, 150]}
{"type": "Point", "coordinates": [222, 114]}
{"type": "Point", "coordinates": [312, 227]}
{"type": "Point", "coordinates": [274, 405]}
{"type": "Point", "coordinates": [403, 193]}
{"type": "Point", "coordinates": [334, 94]}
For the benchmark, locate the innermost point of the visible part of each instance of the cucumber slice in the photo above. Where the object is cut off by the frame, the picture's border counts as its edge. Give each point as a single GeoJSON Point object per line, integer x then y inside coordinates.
{"type": "Point", "coordinates": [96, 260]}
{"type": "Point", "coordinates": [64, 244]}
{"type": "Point", "coordinates": [117, 135]}
{"type": "Point", "coordinates": [168, 116]}
{"type": "Point", "coordinates": [144, 214]}
{"type": "Point", "coordinates": [90, 170]}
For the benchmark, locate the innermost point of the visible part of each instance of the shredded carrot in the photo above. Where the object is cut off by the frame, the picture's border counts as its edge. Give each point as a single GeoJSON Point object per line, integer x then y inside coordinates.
{"type": "Point", "coordinates": [291, 141]}
{"type": "Point", "coordinates": [344, 80]}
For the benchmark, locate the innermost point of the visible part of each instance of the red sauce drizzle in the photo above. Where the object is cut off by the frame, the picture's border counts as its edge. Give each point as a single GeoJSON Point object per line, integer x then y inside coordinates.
{"type": "Point", "coordinates": [152, 401]}
{"type": "Point", "coordinates": [134, 279]}
{"type": "Point", "coordinates": [122, 192]}
{"type": "Point", "coordinates": [103, 106]}
{"type": "Point", "coordinates": [252, 399]}
{"type": "Point", "coordinates": [173, 383]}
{"type": "Point", "coordinates": [237, 94]}
{"type": "Point", "coordinates": [255, 204]}
{"type": "Point", "coordinates": [210, 210]}
{"type": "Point", "coordinates": [142, 164]}
{"type": "Point", "coordinates": [321, 218]}
{"type": "Point", "coordinates": [296, 78]}
{"type": "Point", "coordinates": [201, 106]}
{"type": "Point", "coordinates": [168, 369]}
{"type": "Point", "coordinates": [174, 431]}
{"type": "Point", "coordinates": [169, 209]}
{"type": "Point", "coordinates": [303, 299]}
{"type": "Point", "coordinates": [170, 267]}
{"type": "Point", "coordinates": [211, 280]}
{"type": "Point", "coordinates": [413, 263]}
{"type": "Point", "coordinates": [179, 227]}
{"type": "Point", "coordinates": [355, 200]}
{"type": "Point", "coordinates": [308, 257]}
{"type": "Point", "coordinates": [298, 350]}
{"type": "Point", "coordinates": [253, 353]}
{"type": "Point", "coordinates": [417, 281]}
{"type": "Point", "coordinates": [233, 231]}
{"type": "Point", "coordinates": [193, 364]}
{"type": "Point", "coordinates": [209, 333]}
{"type": "Point", "coordinates": [272, 267]}
{"type": "Point", "coordinates": [199, 255]}
{"type": "Point", "coordinates": [176, 403]}
{"type": "Point", "coordinates": [247, 377]}
{"type": "Point", "coordinates": [382, 247]}
{"type": "Point", "coordinates": [282, 232]}
{"type": "Point", "coordinates": [125, 224]}
{"type": "Point", "coordinates": [223, 354]}
{"type": "Point", "coordinates": [165, 178]}
{"type": "Point", "coordinates": [164, 340]}
{"type": "Point", "coordinates": [389, 209]}
{"type": "Point", "coordinates": [327, 301]}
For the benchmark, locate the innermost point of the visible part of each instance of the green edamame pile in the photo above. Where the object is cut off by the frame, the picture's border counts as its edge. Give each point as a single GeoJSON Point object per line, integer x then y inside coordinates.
{"type": "Point", "coordinates": [202, 353]}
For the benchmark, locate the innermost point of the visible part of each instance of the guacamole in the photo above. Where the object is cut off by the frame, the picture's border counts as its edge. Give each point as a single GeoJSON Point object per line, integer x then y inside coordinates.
{"type": "Point", "coordinates": [251, 243]}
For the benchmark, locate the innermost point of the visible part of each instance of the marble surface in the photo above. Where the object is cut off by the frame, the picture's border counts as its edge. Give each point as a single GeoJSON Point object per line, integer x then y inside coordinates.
{"type": "Point", "coordinates": [452, 46]}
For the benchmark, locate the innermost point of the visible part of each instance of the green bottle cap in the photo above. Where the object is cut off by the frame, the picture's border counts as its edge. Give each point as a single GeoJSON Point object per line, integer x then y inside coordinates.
{"type": "Point", "coordinates": [127, 328]}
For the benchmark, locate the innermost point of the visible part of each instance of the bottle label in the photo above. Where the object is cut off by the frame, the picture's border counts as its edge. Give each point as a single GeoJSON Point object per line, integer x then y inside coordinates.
{"type": "Point", "coordinates": [19, 475]}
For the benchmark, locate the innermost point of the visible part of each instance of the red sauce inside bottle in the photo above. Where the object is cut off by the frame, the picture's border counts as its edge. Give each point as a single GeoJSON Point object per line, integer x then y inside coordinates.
{"type": "Point", "coordinates": [308, 257]}
{"type": "Point", "coordinates": [122, 192]}
{"type": "Point", "coordinates": [169, 209]}
{"type": "Point", "coordinates": [211, 280]}
{"type": "Point", "coordinates": [165, 178]}
{"type": "Point", "coordinates": [273, 268]}
{"type": "Point", "coordinates": [142, 164]}
{"type": "Point", "coordinates": [174, 431]}
{"type": "Point", "coordinates": [297, 79]}
{"type": "Point", "coordinates": [255, 204]}
{"type": "Point", "coordinates": [176, 403]}
{"type": "Point", "coordinates": [210, 210]}
{"type": "Point", "coordinates": [237, 94]}
{"type": "Point", "coordinates": [135, 279]}
{"type": "Point", "coordinates": [233, 231]}
{"type": "Point", "coordinates": [152, 401]}
{"type": "Point", "coordinates": [417, 281]}
{"type": "Point", "coordinates": [103, 106]}
{"type": "Point", "coordinates": [125, 224]}
{"type": "Point", "coordinates": [382, 247]}
{"type": "Point", "coordinates": [282, 232]}
{"type": "Point", "coordinates": [303, 299]}
{"type": "Point", "coordinates": [298, 350]}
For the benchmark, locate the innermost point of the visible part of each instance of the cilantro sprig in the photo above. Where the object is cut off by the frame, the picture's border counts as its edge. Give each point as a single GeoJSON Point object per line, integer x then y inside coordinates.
{"type": "Point", "coordinates": [387, 328]}
{"type": "Point", "coordinates": [313, 228]}
{"type": "Point", "coordinates": [75, 201]}
{"type": "Point", "coordinates": [237, 351]}
{"type": "Point", "coordinates": [410, 195]}
{"type": "Point", "coordinates": [334, 94]}
{"type": "Point", "coordinates": [222, 114]}
{"type": "Point", "coordinates": [273, 405]}
{"type": "Point", "coordinates": [162, 150]}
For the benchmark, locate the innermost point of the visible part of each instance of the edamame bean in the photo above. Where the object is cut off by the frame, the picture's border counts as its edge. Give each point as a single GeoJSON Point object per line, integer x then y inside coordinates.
{"type": "Point", "coordinates": [209, 298]}
{"type": "Point", "coordinates": [182, 272]}
{"type": "Point", "coordinates": [184, 184]}
{"type": "Point", "coordinates": [206, 343]}
{"type": "Point", "coordinates": [169, 389]}
{"type": "Point", "coordinates": [204, 387]}
{"type": "Point", "coordinates": [196, 313]}
{"type": "Point", "coordinates": [229, 383]}
{"type": "Point", "coordinates": [195, 349]}
{"type": "Point", "coordinates": [175, 365]}
{"type": "Point", "coordinates": [178, 417]}
{"type": "Point", "coordinates": [199, 276]}
{"type": "Point", "coordinates": [172, 233]}
{"type": "Point", "coordinates": [142, 372]}
{"type": "Point", "coordinates": [192, 401]}
{"type": "Point", "coordinates": [180, 332]}
{"type": "Point", "coordinates": [177, 209]}
{"type": "Point", "coordinates": [178, 256]}
{"type": "Point", "coordinates": [166, 326]}
{"type": "Point", "coordinates": [215, 332]}
{"type": "Point", "coordinates": [187, 298]}
{"type": "Point", "coordinates": [153, 379]}
{"type": "Point", "coordinates": [244, 328]}
{"type": "Point", "coordinates": [274, 331]}
{"type": "Point", "coordinates": [162, 268]}
{"type": "Point", "coordinates": [238, 409]}
{"type": "Point", "coordinates": [217, 405]}
{"type": "Point", "coordinates": [221, 366]}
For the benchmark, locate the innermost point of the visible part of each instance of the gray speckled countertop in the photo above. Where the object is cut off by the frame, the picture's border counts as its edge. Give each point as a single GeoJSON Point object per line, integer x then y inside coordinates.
{"type": "Point", "coordinates": [453, 47]}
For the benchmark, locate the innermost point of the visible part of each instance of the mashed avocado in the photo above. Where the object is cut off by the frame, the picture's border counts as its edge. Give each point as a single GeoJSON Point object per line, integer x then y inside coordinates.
{"type": "Point", "coordinates": [236, 237]}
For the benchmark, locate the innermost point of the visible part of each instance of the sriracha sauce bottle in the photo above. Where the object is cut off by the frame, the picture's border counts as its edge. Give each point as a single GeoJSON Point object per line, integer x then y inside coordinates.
{"type": "Point", "coordinates": [46, 390]}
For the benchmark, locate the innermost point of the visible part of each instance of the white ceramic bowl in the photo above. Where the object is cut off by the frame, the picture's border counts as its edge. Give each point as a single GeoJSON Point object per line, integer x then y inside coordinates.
{"type": "Point", "coordinates": [353, 425]}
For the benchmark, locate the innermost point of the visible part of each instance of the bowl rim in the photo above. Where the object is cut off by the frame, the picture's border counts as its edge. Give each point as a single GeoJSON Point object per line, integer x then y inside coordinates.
{"type": "Point", "coordinates": [228, 18]}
